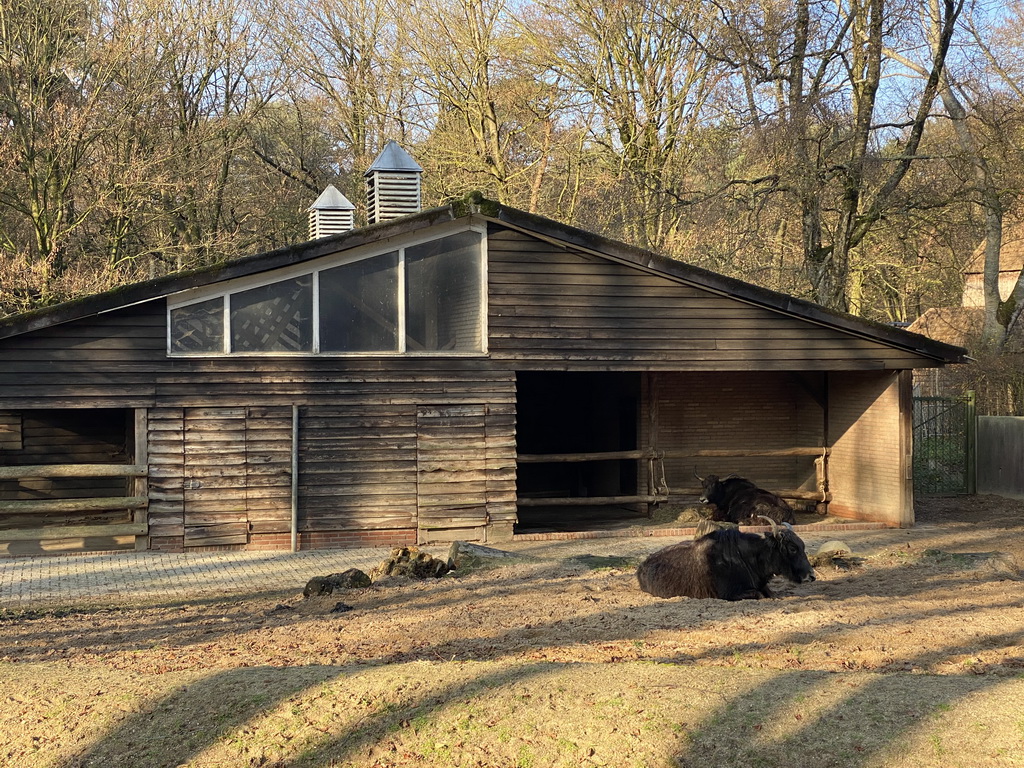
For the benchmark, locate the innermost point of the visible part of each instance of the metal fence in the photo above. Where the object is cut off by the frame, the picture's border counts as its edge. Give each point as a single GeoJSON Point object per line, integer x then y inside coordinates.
{"type": "Point", "coordinates": [1001, 455]}
{"type": "Point", "coordinates": [945, 444]}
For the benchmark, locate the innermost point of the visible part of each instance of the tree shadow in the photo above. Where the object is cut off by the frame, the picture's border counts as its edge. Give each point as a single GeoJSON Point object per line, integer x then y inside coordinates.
{"type": "Point", "coordinates": [179, 727]}
{"type": "Point", "coordinates": [196, 716]}
{"type": "Point", "coordinates": [799, 718]}
{"type": "Point", "coordinates": [171, 731]}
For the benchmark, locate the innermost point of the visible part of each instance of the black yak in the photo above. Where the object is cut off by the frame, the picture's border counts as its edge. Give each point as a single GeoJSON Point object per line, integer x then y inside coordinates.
{"type": "Point", "coordinates": [737, 500]}
{"type": "Point", "coordinates": [726, 564]}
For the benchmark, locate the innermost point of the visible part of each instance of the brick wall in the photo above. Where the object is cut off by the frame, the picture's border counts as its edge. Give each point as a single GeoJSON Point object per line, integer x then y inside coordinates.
{"type": "Point", "coordinates": [734, 411]}
{"type": "Point", "coordinates": [868, 468]}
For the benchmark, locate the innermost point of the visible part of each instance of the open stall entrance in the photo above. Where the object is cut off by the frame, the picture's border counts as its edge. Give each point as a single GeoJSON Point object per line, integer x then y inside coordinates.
{"type": "Point", "coordinates": [577, 441]}
{"type": "Point", "coordinates": [614, 450]}
{"type": "Point", "coordinates": [72, 480]}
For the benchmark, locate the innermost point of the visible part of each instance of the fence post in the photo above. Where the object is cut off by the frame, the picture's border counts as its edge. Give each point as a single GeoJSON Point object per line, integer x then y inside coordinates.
{"type": "Point", "coordinates": [972, 442]}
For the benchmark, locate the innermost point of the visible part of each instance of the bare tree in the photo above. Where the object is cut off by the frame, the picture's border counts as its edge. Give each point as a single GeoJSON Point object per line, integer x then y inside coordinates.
{"type": "Point", "coordinates": [58, 63]}
{"type": "Point", "coordinates": [814, 75]}
{"type": "Point", "coordinates": [641, 70]}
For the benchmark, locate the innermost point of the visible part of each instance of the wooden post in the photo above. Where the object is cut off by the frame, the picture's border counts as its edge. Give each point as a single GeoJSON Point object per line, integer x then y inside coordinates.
{"type": "Point", "coordinates": [140, 484]}
{"type": "Point", "coordinates": [971, 417]}
{"type": "Point", "coordinates": [653, 396]}
{"type": "Point", "coordinates": [295, 479]}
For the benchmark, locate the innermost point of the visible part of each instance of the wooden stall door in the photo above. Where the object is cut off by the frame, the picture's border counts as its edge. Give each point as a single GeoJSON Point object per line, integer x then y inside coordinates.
{"type": "Point", "coordinates": [214, 482]}
{"type": "Point", "coordinates": [451, 476]}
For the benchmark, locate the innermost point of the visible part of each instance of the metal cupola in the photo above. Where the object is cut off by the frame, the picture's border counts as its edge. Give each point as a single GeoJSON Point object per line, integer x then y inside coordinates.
{"type": "Point", "coordinates": [392, 185]}
{"type": "Point", "coordinates": [331, 214]}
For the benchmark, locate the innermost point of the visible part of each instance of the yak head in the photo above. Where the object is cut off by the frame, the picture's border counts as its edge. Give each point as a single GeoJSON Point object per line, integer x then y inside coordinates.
{"type": "Point", "coordinates": [710, 485]}
{"type": "Point", "coordinates": [788, 554]}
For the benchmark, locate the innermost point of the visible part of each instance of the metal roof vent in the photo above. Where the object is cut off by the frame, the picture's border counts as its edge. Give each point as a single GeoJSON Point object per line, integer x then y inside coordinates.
{"type": "Point", "coordinates": [392, 185]}
{"type": "Point", "coordinates": [331, 214]}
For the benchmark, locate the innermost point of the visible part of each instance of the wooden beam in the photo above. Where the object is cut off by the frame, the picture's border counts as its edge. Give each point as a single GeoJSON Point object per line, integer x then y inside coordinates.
{"type": "Point", "coordinates": [72, 470]}
{"type": "Point", "coordinates": [140, 485]}
{"type": "Point", "coordinates": [786, 494]}
{"type": "Point", "coordinates": [554, 458]}
{"type": "Point", "coordinates": [73, 531]}
{"type": "Point", "coordinates": [748, 453]}
{"type": "Point", "coordinates": [72, 505]}
{"type": "Point", "coordinates": [587, 501]}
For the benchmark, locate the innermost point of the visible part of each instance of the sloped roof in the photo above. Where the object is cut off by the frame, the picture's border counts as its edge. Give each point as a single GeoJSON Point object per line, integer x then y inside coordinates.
{"type": "Point", "coordinates": [332, 200]}
{"type": "Point", "coordinates": [950, 325]}
{"type": "Point", "coordinates": [479, 208]}
{"type": "Point", "coordinates": [1011, 251]}
{"type": "Point", "coordinates": [394, 158]}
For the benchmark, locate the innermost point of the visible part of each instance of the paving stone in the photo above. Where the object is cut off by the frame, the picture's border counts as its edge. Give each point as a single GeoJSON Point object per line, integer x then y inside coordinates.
{"type": "Point", "coordinates": [67, 579]}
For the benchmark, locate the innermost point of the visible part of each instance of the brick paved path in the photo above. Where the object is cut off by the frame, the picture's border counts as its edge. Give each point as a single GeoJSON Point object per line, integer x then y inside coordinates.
{"type": "Point", "coordinates": [68, 579]}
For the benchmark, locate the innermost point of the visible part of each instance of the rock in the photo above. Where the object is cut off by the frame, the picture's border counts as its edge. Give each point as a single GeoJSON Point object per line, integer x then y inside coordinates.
{"type": "Point", "coordinates": [411, 562]}
{"type": "Point", "coordinates": [834, 553]}
{"type": "Point", "coordinates": [833, 547]}
{"type": "Point", "coordinates": [353, 578]}
{"type": "Point", "coordinates": [463, 556]}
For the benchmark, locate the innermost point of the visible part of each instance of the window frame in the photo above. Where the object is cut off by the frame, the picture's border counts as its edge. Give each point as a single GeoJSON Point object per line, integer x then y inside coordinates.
{"type": "Point", "coordinates": [313, 267]}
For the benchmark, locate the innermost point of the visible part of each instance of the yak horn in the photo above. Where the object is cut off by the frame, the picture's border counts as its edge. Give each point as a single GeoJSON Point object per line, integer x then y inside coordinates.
{"type": "Point", "coordinates": [775, 528]}
{"type": "Point", "coordinates": [696, 475]}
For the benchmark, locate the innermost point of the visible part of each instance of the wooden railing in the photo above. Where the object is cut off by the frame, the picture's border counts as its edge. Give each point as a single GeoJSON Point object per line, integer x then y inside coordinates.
{"type": "Point", "coordinates": [658, 490]}
{"type": "Point", "coordinates": [138, 527]}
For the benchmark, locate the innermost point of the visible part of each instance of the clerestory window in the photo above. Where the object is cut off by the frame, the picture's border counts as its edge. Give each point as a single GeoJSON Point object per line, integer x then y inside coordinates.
{"type": "Point", "coordinates": [423, 298]}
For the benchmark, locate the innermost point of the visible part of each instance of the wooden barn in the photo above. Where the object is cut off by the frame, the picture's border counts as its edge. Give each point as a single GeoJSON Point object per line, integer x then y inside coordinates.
{"type": "Point", "coordinates": [467, 372]}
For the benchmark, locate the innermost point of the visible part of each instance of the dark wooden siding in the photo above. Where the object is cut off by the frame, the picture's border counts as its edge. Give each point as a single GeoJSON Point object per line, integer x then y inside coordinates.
{"type": "Point", "coordinates": [215, 477]}
{"type": "Point", "coordinates": [465, 471]}
{"type": "Point", "coordinates": [550, 306]}
{"type": "Point", "coordinates": [357, 467]}
{"type": "Point", "coordinates": [220, 432]}
{"type": "Point", "coordinates": [68, 437]}
{"type": "Point", "coordinates": [166, 474]}
{"type": "Point", "coordinates": [220, 428]}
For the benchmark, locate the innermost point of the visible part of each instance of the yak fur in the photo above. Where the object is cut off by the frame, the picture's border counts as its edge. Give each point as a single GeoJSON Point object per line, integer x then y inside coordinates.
{"type": "Point", "coordinates": [738, 500]}
{"type": "Point", "coordinates": [725, 564]}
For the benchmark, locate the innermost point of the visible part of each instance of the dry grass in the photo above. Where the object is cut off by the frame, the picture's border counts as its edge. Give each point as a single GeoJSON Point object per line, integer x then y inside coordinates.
{"type": "Point", "coordinates": [915, 657]}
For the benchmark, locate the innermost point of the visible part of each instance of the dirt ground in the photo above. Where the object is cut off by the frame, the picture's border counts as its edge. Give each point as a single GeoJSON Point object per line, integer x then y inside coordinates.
{"type": "Point", "coordinates": [910, 652]}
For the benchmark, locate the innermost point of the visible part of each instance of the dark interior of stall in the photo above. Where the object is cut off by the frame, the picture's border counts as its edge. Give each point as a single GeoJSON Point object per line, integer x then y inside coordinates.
{"type": "Point", "coordinates": [575, 413]}
{"type": "Point", "coordinates": [65, 437]}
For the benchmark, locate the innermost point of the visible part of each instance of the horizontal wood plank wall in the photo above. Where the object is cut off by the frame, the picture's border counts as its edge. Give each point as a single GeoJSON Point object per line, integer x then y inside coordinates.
{"type": "Point", "coordinates": [357, 466]}
{"type": "Point", "coordinates": [501, 481]}
{"type": "Point", "coordinates": [217, 474]}
{"type": "Point", "coordinates": [134, 371]}
{"type": "Point", "coordinates": [465, 473]}
{"type": "Point", "coordinates": [451, 477]}
{"type": "Point", "coordinates": [53, 514]}
{"type": "Point", "coordinates": [166, 478]}
{"type": "Point", "coordinates": [466, 483]}
{"type": "Point", "coordinates": [215, 477]}
{"type": "Point", "coordinates": [268, 463]}
{"type": "Point", "coordinates": [562, 309]}
{"type": "Point", "coordinates": [109, 360]}
{"type": "Point", "coordinates": [10, 431]}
